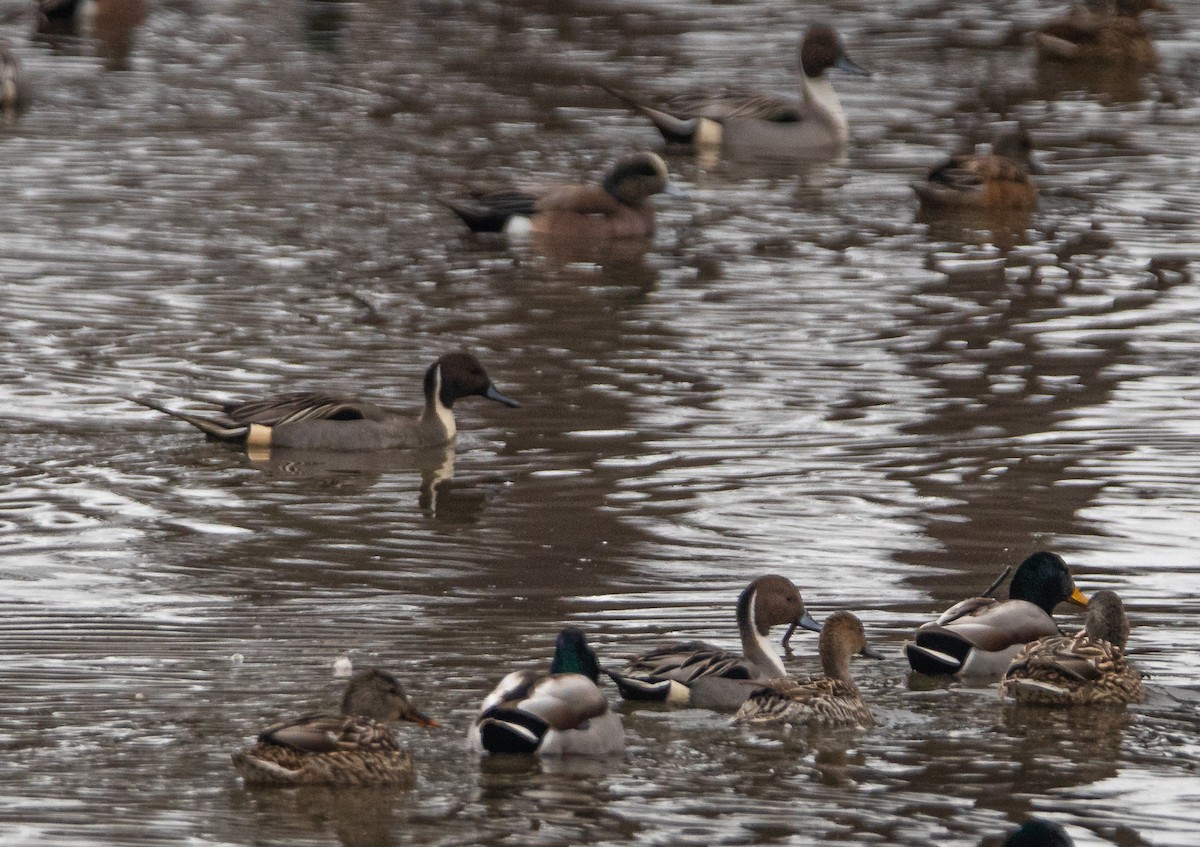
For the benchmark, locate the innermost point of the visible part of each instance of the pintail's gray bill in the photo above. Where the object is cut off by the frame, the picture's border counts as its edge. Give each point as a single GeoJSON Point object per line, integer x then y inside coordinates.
{"type": "Point", "coordinates": [494, 393]}
{"type": "Point", "coordinates": [870, 652]}
{"type": "Point", "coordinates": [806, 621]}
{"type": "Point", "coordinates": [844, 64]}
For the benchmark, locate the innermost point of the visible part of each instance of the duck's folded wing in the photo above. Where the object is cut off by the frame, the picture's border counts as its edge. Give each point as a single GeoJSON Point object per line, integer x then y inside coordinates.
{"type": "Point", "coordinates": [302, 406]}
{"type": "Point", "coordinates": [565, 701]}
{"type": "Point", "coordinates": [730, 103]}
{"type": "Point", "coordinates": [964, 608]}
{"type": "Point", "coordinates": [688, 661]}
{"type": "Point", "coordinates": [998, 626]}
{"type": "Point", "coordinates": [581, 199]}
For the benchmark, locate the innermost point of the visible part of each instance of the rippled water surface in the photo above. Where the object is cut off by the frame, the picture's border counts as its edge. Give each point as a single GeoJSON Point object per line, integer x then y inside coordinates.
{"type": "Point", "coordinates": [800, 376]}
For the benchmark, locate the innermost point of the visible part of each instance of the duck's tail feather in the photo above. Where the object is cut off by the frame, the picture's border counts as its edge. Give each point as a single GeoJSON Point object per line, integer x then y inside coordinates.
{"type": "Point", "coordinates": [937, 654]}
{"type": "Point", "coordinates": [634, 688]}
{"type": "Point", "coordinates": [213, 429]}
{"type": "Point", "coordinates": [479, 217]}
{"type": "Point", "coordinates": [674, 129]}
{"type": "Point", "coordinates": [511, 731]}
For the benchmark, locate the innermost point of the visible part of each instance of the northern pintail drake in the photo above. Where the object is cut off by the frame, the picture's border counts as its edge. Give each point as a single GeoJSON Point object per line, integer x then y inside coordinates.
{"type": "Point", "coordinates": [1108, 31]}
{"type": "Point", "coordinates": [740, 123]}
{"type": "Point", "coordinates": [694, 673]}
{"type": "Point", "coordinates": [980, 636]}
{"type": "Point", "coordinates": [619, 207]}
{"type": "Point", "coordinates": [12, 81]}
{"type": "Point", "coordinates": [315, 421]}
{"type": "Point", "coordinates": [557, 714]}
{"type": "Point", "coordinates": [353, 748]}
{"type": "Point", "coordinates": [1088, 667]}
{"type": "Point", "coordinates": [1036, 832]}
{"type": "Point", "coordinates": [998, 180]}
{"type": "Point", "coordinates": [831, 700]}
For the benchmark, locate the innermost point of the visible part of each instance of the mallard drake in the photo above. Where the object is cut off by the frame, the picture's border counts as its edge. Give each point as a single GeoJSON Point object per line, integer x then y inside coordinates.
{"type": "Point", "coordinates": [1088, 667]}
{"type": "Point", "coordinates": [739, 123]}
{"type": "Point", "coordinates": [698, 674]}
{"type": "Point", "coordinates": [1106, 32]}
{"type": "Point", "coordinates": [555, 714]}
{"type": "Point", "coordinates": [312, 421]}
{"type": "Point", "coordinates": [999, 180]}
{"type": "Point", "coordinates": [353, 748]}
{"type": "Point", "coordinates": [981, 635]}
{"type": "Point", "coordinates": [1038, 833]}
{"type": "Point", "coordinates": [831, 700]}
{"type": "Point", "coordinates": [619, 207]}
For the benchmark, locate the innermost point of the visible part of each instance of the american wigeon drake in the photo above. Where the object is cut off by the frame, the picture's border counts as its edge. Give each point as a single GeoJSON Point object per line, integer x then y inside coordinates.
{"type": "Point", "coordinates": [995, 181]}
{"type": "Point", "coordinates": [12, 81]}
{"type": "Point", "coordinates": [980, 636]}
{"type": "Point", "coordinates": [563, 713]}
{"type": "Point", "coordinates": [315, 421]}
{"type": "Point", "coordinates": [1036, 832]}
{"type": "Point", "coordinates": [353, 748]}
{"type": "Point", "coordinates": [694, 673]}
{"type": "Point", "coordinates": [619, 207]}
{"type": "Point", "coordinates": [1107, 32]}
{"type": "Point", "coordinates": [741, 123]}
{"type": "Point", "coordinates": [831, 700]}
{"type": "Point", "coordinates": [1088, 667]}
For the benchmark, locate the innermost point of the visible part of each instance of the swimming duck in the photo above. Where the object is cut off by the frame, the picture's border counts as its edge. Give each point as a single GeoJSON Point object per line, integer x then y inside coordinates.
{"type": "Point", "coordinates": [981, 635]}
{"type": "Point", "coordinates": [313, 421]}
{"type": "Point", "coordinates": [999, 180]}
{"type": "Point", "coordinates": [763, 125]}
{"type": "Point", "coordinates": [619, 207]}
{"type": "Point", "coordinates": [698, 674]}
{"type": "Point", "coordinates": [1088, 667]}
{"type": "Point", "coordinates": [831, 700]}
{"type": "Point", "coordinates": [12, 81]}
{"type": "Point", "coordinates": [353, 748]}
{"type": "Point", "coordinates": [555, 714]}
{"type": "Point", "coordinates": [1108, 32]}
{"type": "Point", "coordinates": [1036, 832]}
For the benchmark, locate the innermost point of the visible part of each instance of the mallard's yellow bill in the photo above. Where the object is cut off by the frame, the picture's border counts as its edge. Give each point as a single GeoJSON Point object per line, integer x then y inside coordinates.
{"type": "Point", "coordinates": [1078, 597]}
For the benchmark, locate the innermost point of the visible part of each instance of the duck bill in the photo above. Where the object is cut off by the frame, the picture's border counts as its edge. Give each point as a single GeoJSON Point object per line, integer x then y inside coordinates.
{"type": "Point", "coordinates": [844, 64]}
{"type": "Point", "coordinates": [870, 652]}
{"type": "Point", "coordinates": [805, 621]}
{"type": "Point", "coordinates": [494, 393]}
{"type": "Point", "coordinates": [1035, 167]}
{"type": "Point", "coordinates": [419, 718]}
{"type": "Point", "coordinates": [1078, 598]}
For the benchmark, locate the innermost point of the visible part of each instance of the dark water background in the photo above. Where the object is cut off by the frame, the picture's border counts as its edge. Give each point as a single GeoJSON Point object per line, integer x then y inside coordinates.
{"type": "Point", "coordinates": [799, 377]}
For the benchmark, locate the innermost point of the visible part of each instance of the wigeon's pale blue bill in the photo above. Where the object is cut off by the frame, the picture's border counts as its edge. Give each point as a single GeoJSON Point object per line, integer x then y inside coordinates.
{"type": "Point", "coordinates": [673, 190]}
{"type": "Point", "coordinates": [870, 652]}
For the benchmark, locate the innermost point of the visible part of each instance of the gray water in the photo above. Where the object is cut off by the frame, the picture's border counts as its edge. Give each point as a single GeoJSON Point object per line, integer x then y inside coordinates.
{"type": "Point", "coordinates": [799, 376]}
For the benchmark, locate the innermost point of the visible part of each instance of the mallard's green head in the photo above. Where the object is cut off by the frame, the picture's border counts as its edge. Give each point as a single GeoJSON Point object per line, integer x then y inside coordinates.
{"type": "Point", "coordinates": [1044, 580]}
{"type": "Point", "coordinates": [573, 655]}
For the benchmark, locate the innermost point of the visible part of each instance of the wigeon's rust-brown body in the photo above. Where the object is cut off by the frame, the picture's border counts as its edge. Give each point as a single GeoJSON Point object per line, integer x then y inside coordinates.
{"type": "Point", "coordinates": [997, 181]}
{"type": "Point", "coordinates": [617, 208]}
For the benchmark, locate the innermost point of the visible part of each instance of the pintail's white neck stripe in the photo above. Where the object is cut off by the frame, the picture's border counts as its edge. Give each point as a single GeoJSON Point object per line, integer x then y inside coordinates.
{"type": "Point", "coordinates": [763, 642]}
{"type": "Point", "coordinates": [444, 415]}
